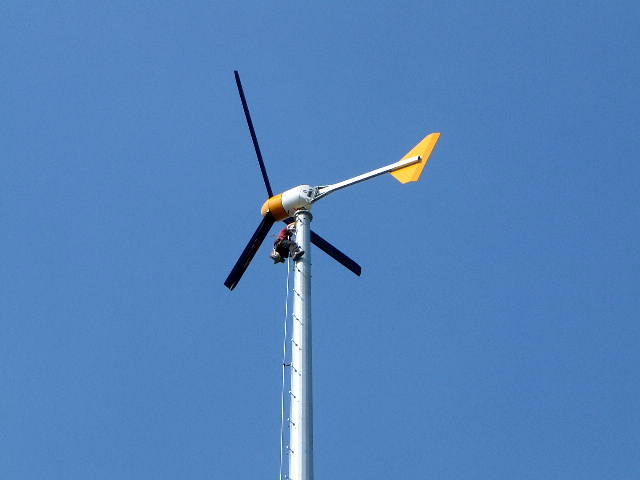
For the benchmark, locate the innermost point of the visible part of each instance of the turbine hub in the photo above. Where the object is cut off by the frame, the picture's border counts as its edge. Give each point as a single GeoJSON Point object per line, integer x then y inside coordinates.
{"type": "Point", "coordinates": [286, 203]}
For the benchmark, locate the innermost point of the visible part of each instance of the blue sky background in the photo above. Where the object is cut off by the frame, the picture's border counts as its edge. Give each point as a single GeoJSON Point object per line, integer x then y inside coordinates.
{"type": "Point", "coordinates": [494, 331]}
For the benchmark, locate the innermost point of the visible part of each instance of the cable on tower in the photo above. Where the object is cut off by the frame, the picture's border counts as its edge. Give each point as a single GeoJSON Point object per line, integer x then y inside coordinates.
{"type": "Point", "coordinates": [284, 365]}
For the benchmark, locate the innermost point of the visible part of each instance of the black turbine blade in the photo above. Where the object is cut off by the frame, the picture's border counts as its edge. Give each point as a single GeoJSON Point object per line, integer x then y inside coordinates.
{"type": "Point", "coordinates": [249, 252]}
{"type": "Point", "coordinates": [332, 251]}
{"type": "Point", "coordinates": [253, 134]}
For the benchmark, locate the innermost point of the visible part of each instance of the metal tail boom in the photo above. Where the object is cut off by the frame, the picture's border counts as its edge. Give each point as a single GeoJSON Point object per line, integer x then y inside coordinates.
{"type": "Point", "coordinates": [325, 190]}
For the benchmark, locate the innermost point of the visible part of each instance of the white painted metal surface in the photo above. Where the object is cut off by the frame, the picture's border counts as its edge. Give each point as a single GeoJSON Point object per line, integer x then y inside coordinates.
{"type": "Point", "coordinates": [301, 411]}
{"type": "Point", "coordinates": [298, 197]}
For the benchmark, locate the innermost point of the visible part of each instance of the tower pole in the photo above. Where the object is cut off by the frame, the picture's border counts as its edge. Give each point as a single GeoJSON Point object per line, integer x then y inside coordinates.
{"type": "Point", "coordinates": [301, 412]}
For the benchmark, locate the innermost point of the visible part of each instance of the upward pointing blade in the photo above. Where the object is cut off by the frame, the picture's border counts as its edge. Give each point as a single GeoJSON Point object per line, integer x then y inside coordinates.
{"type": "Point", "coordinates": [249, 252]}
{"type": "Point", "coordinates": [253, 134]}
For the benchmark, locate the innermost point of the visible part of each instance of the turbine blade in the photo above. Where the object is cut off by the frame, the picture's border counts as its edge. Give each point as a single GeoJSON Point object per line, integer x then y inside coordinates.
{"type": "Point", "coordinates": [332, 251]}
{"type": "Point", "coordinates": [253, 134]}
{"type": "Point", "coordinates": [249, 252]}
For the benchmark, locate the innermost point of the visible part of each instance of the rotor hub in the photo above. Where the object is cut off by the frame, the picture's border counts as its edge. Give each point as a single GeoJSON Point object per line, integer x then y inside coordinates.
{"type": "Point", "coordinates": [286, 203]}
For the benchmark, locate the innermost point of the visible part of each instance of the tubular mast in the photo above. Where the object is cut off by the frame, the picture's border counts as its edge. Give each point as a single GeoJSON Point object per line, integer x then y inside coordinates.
{"type": "Point", "coordinates": [301, 411]}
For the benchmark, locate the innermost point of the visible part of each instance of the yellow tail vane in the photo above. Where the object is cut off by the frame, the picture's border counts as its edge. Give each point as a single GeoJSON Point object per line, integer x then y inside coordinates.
{"type": "Point", "coordinates": [423, 149]}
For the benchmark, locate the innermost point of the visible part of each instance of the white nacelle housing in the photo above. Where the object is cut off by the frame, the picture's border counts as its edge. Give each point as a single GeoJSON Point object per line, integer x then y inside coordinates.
{"type": "Point", "coordinates": [286, 203]}
{"type": "Point", "coordinates": [297, 197]}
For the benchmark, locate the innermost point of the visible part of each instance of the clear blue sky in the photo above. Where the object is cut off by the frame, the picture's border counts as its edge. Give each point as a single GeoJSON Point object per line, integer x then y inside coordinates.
{"type": "Point", "coordinates": [494, 332]}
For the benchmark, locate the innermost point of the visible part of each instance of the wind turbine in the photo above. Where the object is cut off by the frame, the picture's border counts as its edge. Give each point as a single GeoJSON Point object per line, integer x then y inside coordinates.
{"type": "Point", "coordinates": [295, 205]}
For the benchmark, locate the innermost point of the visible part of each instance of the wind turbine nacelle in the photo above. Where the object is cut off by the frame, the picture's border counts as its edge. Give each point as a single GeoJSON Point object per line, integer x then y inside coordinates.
{"type": "Point", "coordinates": [286, 203]}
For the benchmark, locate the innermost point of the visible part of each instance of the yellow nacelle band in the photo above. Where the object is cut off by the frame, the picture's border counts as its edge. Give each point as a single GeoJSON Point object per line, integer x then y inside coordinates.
{"type": "Point", "coordinates": [274, 206]}
{"type": "Point", "coordinates": [423, 149]}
